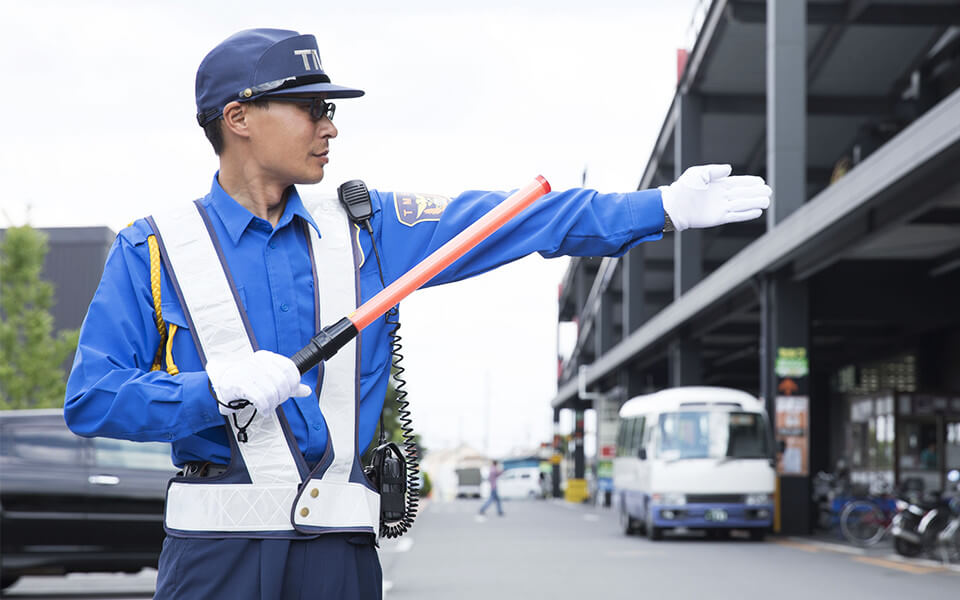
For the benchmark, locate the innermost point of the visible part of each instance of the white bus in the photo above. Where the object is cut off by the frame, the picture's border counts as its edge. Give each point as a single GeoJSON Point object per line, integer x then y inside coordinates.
{"type": "Point", "coordinates": [697, 458]}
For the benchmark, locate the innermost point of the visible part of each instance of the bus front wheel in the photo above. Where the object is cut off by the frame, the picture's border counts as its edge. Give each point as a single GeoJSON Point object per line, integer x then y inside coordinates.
{"type": "Point", "coordinates": [627, 523]}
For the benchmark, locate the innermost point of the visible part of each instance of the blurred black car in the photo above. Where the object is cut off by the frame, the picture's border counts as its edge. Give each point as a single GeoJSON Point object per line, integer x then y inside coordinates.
{"type": "Point", "coordinates": [69, 503]}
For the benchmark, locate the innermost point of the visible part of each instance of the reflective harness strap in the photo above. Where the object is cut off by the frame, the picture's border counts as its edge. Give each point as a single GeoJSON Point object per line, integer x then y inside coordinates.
{"type": "Point", "coordinates": [263, 505]}
{"type": "Point", "coordinates": [339, 498]}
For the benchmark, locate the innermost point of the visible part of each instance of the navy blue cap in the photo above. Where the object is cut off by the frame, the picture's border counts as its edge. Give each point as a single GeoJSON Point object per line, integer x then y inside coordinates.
{"type": "Point", "coordinates": [261, 62]}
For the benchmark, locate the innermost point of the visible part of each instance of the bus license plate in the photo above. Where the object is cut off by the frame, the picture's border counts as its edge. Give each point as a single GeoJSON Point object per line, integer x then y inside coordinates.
{"type": "Point", "coordinates": [716, 514]}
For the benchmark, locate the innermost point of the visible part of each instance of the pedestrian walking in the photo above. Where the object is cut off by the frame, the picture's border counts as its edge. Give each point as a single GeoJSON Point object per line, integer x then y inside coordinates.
{"type": "Point", "coordinates": [495, 472]}
{"type": "Point", "coordinates": [200, 304]}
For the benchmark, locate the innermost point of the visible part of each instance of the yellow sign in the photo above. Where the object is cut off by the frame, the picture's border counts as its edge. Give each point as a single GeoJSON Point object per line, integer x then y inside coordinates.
{"type": "Point", "coordinates": [576, 491]}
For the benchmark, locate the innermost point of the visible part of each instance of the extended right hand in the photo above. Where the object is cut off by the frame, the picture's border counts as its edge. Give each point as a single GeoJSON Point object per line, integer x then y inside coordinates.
{"type": "Point", "coordinates": [707, 196]}
{"type": "Point", "coordinates": [264, 378]}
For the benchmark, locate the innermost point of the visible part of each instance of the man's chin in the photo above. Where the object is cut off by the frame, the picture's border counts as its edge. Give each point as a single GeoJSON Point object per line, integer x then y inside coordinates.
{"type": "Point", "coordinates": [311, 178]}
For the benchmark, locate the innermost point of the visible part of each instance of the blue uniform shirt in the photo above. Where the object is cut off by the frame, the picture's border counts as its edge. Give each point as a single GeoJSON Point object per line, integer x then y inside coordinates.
{"type": "Point", "coordinates": [111, 391]}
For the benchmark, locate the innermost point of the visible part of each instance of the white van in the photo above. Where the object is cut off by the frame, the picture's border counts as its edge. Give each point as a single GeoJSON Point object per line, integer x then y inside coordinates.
{"type": "Point", "coordinates": [520, 482]}
{"type": "Point", "coordinates": [694, 457]}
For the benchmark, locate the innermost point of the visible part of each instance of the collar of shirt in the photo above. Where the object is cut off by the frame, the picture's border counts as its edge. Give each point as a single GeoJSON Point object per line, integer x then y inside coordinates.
{"type": "Point", "coordinates": [236, 217]}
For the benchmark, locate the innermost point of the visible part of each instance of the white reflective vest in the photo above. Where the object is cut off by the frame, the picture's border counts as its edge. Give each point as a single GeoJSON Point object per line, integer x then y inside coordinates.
{"type": "Point", "coordinates": [267, 490]}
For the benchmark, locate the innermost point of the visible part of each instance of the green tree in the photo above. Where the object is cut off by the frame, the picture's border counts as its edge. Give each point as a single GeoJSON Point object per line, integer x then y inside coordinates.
{"type": "Point", "coordinates": [30, 354]}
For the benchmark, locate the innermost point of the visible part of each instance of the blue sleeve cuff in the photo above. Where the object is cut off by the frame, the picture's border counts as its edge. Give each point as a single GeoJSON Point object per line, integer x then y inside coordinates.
{"type": "Point", "coordinates": [201, 406]}
{"type": "Point", "coordinates": [646, 212]}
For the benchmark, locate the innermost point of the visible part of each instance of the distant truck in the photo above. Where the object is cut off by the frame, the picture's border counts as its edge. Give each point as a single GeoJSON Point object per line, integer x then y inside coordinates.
{"type": "Point", "coordinates": [469, 482]}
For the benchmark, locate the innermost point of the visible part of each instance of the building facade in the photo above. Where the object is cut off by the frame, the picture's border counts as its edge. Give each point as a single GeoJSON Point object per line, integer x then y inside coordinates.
{"type": "Point", "coordinates": [840, 308]}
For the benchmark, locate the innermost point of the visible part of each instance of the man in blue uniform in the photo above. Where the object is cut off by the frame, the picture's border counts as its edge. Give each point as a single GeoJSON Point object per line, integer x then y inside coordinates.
{"type": "Point", "coordinates": [149, 368]}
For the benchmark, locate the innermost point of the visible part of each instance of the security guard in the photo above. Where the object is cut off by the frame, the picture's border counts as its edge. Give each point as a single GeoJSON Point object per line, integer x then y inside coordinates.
{"type": "Point", "coordinates": [201, 303]}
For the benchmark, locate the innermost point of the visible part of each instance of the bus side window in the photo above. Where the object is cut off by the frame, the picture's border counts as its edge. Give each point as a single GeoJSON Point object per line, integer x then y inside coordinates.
{"type": "Point", "coordinates": [622, 437]}
{"type": "Point", "coordinates": [637, 437]}
{"type": "Point", "coordinates": [628, 425]}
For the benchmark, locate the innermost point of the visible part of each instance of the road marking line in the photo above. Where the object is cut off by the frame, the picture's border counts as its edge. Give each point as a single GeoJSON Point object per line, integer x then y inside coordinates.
{"type": "Point", "coordinates": [830, 546]}
{"type": "Point", "coordinates": [893, 561]}
{"type": "Point", "coordinates": [898, 566]}
{"type": "Point", "coordinates": [806, 547]}
{"type": "Point", "coordinates": [924, 562]}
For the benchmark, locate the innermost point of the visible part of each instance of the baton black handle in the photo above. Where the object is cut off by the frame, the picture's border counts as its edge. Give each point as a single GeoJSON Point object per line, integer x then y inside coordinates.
{"type": "Point", "coordinates": [325, 344]}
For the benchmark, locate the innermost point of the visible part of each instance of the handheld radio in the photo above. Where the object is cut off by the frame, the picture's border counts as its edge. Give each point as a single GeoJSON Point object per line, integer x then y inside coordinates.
{"type": "Point", "coordinates": [395, 473]}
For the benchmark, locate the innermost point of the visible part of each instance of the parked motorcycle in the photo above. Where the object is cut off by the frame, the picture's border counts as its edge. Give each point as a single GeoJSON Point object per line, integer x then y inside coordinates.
{"type": "Point", "coordinates": [948, 540]}
{"type": "Point", "coordinates": [907, 540]}
{"type": "Point", "coordinates": [918, 523]}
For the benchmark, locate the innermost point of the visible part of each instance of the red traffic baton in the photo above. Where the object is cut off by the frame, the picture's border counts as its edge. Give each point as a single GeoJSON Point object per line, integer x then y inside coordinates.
{"type": "Point", "coordinates": [333, 337]}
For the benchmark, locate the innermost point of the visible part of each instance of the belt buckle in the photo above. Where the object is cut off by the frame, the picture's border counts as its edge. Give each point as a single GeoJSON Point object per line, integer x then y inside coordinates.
{"type": "Point", "coordinates": [195, 469]}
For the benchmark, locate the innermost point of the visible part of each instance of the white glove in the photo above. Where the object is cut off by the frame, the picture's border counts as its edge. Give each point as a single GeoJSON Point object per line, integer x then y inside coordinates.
{"type": "Point", "coordinates": [264, 378]}
{"type": "Point", "coordinates": [705, 196]}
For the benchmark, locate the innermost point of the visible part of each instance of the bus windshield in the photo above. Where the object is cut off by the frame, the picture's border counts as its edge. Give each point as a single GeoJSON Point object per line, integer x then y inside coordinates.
{"type": "Point", "coordinates": [712, 434]}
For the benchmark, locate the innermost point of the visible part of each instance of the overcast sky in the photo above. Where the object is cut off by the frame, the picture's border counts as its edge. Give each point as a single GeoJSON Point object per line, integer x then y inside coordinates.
{"type": "Point", "coordinates": [99, 128]}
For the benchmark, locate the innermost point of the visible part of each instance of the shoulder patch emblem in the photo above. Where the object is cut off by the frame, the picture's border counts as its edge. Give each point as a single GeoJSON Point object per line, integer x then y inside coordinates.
{"type": "Point", "coordinates": [417, 208]}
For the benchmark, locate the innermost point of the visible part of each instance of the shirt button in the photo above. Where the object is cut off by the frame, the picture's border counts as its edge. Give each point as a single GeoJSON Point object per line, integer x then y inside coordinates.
{"type": "Point", "coordinates": [284, 307]}
{"type": "Point", "coordinates": [273, 245]}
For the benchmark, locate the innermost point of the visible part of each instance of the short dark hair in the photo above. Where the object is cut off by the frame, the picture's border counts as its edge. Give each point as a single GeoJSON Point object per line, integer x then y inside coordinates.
{"type": "Point", "coordinates": [213, 129]}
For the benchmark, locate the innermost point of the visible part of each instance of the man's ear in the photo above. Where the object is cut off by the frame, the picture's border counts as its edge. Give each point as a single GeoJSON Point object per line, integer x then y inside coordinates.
{"type": "Point", "coordinates": [235, 119]}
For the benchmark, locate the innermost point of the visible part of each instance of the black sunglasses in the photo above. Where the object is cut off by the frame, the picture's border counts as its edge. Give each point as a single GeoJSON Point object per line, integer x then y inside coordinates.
{"type": "Point", "coordinates": [319, 108]}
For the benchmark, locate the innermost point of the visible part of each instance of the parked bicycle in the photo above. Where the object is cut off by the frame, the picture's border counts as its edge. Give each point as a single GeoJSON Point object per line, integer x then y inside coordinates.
{"type": "Point", "coordinates": [867, 521]}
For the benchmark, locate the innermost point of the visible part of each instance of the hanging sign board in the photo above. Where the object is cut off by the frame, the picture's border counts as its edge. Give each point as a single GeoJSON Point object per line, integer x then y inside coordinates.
{"type": "Point", "coordinates": [792, 424]}
{"type": "Point", "coordinates": [792, 362]}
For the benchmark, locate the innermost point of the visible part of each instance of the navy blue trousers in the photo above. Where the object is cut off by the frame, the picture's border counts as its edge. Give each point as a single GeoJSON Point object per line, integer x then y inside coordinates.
{"type": "Point", "coordinates": [333, 566]}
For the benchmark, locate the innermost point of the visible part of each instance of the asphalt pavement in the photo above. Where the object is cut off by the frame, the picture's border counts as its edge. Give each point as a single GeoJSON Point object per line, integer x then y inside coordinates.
{"type": "Point", "coordinates": [92, 586]}
{"type": "Point", "coordinates": [553, 549]}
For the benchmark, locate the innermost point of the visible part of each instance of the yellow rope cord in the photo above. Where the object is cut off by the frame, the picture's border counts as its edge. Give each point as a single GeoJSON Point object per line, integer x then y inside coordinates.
{"type": "Point", "coordinates": [161, 325]}
{"type": "Point", "coordinates": [155, 288]}
{"type": "Point", "coordinates": [171, 367]}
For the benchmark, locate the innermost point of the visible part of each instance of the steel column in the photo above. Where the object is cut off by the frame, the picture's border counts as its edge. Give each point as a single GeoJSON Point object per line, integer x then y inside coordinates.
{"type": "Point", "coordinates": [684, 354]}
{"type": "Point", "coordinates": [786, 107]}
{"type": "Point", "coordinates": [603, 325]}
{"type": "Point", "coordinates": [685, 364]}
{"type": "Point", "coordinates": [632, 270]}
{"type": "Point", "coordinates": [688, 250]}
{"type": "Point", "coordinates": [784, 302]}
{"type": "Point", "coordinates": [557, 455]}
